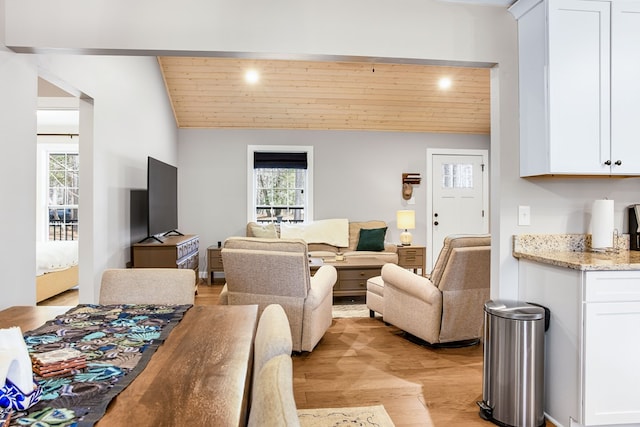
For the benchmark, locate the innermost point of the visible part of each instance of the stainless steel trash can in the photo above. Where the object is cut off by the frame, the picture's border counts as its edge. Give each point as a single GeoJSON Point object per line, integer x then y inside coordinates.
{"type": "Point", "coordinates": [513, 376]}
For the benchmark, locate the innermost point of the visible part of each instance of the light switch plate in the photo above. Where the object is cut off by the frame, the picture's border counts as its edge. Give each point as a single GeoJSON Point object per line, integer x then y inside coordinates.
{"type": "Point", "coordinates": [524, 215]}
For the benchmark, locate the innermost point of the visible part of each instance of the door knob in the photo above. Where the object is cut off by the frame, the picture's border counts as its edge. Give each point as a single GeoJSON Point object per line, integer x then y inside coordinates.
{"type": "Point", "coordinates": [618, 162]}
{"type": "Point", "coordinates": [435, 215]}
{"type": "Point", "coordinates": [435, 223]}
{"type": "Point", "coordinates": [608, 163]}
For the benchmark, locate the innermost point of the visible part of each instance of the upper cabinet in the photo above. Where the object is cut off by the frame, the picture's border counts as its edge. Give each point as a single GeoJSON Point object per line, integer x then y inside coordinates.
{"type": "Point", "coordinates": [578, 95]}
{"type": "Point", "coordinates": [625, 86]}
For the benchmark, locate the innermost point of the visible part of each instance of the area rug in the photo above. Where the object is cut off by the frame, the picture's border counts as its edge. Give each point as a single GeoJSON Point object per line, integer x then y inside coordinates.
{"type": "Point", "coordinates": [355, 416]}
{"type": "Point", "coordinates": [350, 307]}
{"type": "Point", "coordinates": [350, 310]}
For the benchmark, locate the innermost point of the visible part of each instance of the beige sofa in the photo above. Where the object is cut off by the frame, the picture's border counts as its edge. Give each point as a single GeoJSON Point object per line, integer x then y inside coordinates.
{"type": "Point", "coordinates": [350, 244]}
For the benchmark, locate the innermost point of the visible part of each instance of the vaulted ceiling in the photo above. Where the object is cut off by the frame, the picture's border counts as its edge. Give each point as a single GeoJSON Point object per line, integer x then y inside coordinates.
{"type": "Point", "coordinates": [210, 92]}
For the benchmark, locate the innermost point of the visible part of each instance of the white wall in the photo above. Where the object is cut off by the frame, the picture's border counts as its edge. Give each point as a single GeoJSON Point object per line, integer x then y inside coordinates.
{"type": "Point", "coordinates": [357, 175]}
{"type": "Point", "coordinates": [413, 29]}
{"type": "Point", "coordinates": [132, 119]}
{"type": "Point", "coordinates": [18, 90]}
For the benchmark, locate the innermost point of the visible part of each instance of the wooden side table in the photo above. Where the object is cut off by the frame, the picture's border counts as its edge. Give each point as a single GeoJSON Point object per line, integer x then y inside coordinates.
{"type": "Point", "coordinates": [413, 257]}
{"type": "Point", "coordinates": [214, 262]}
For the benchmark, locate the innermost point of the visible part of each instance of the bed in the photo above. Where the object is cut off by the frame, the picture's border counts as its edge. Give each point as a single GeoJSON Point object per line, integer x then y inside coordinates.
{"type": "Point", "coordinates": [56, 267]}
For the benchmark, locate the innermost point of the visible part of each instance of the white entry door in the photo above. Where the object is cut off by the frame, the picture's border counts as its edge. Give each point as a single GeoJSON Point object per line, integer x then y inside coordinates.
{"type": "Point", "coordinates": [458, 200]}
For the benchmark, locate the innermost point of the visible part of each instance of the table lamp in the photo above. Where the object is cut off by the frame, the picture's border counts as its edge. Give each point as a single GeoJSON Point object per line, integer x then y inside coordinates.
{"type": "Point", "coordinates": [406, 221]}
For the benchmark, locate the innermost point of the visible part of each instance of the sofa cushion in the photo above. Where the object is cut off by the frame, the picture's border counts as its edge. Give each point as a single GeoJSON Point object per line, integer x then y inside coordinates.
{"type": "Point", "coordinates": [328, 250]}
{"type": "Point", "coordinates": [265, 228]}
{"type": "Point", "coordinates": [267, 231]}
{"type": "Point", "coordinates": [354, 231]}
{"type": "Point", "coordinates": [371, 239]}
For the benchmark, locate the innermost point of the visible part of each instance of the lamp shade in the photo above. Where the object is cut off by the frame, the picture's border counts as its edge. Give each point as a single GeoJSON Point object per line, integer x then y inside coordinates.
{"type": "Point", "coordinates": [406, 219]}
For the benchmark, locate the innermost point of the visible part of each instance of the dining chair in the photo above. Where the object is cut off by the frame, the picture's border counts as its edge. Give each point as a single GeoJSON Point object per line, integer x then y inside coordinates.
{"type": "Point", "coordinates": [273, 337]}
{"type": "Point", "coordinates": [272, 400]}
{"type": "Point", "coordinates": [171, 286]}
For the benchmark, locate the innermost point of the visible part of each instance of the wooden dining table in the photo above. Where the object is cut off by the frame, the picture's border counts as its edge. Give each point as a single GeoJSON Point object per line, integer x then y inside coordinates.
{"type": "Point", "coordinates": [200, 375]}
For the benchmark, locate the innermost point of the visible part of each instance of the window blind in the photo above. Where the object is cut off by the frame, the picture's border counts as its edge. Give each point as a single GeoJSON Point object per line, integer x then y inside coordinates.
{"type": "Point", "coordinates": [270, 159]}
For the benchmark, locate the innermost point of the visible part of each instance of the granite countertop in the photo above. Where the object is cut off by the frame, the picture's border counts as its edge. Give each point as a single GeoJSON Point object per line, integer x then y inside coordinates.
{"type": "Point", "coordinates": [574, 251]}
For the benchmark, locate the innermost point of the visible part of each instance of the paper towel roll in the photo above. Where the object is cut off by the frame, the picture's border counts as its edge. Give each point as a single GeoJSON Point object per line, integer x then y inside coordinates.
{"type": "Point", "coordinates": [602, 224]}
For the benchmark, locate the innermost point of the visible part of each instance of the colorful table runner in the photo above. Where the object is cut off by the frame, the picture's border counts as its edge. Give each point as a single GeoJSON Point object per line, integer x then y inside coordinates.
{"type": "Point", "coordinates": [117, 342]}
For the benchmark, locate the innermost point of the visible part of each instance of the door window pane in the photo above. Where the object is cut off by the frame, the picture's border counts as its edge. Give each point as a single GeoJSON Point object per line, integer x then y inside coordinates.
{"type": "Point", "coordinates": [457, 175]}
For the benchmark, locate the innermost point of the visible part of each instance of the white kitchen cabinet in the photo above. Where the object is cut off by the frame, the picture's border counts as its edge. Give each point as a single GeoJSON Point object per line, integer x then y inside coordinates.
{"type": "Point", "coordinates": [611, 347]}
{"type": "Point", "coordinates": [625, 86]}
{"type": "Point", "coordinates": [566, 71]}
{"type": "Point", "coordinates": [592, 345]}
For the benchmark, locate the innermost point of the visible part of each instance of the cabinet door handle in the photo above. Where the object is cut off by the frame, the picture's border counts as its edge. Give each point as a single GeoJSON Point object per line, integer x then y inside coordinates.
{"type": "Point", "coordinates": [608, 163]}
{"type": "Point", "coordinates": [618, 162]}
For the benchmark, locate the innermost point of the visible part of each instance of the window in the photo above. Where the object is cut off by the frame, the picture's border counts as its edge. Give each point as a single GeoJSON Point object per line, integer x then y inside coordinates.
{"type": "Point", "coordinates": [280, 182]}
{"type": "Point", "coordinates": [62, 195]}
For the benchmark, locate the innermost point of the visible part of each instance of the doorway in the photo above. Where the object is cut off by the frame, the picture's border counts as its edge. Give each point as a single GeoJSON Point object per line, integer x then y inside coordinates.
{"type": "Point", "coordinates": [57, 191]}
{"type": "Point", "coordinates": [457, 196]}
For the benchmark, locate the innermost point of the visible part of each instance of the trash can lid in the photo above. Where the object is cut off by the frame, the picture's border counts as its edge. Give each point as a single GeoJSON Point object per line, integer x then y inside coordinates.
{"type": "Point", "coordinates": [515, 310]}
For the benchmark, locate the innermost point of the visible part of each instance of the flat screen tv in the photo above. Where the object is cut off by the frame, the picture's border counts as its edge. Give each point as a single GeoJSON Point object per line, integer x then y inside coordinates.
{"type": "Point", "coordinates": [162, 198]}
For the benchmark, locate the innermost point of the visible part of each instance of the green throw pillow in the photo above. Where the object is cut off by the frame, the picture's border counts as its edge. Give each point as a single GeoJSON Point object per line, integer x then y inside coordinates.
{"type": "Point", "coordinates": [371, 239]}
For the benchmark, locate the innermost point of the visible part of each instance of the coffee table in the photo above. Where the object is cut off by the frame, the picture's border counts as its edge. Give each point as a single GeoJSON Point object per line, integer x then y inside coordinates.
{"type": "Point", "coordinates": [353, 273]}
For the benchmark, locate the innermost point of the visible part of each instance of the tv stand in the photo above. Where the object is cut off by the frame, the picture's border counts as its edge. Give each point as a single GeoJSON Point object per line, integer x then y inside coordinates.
{"type": "Point", "coordinates": [173, 252]}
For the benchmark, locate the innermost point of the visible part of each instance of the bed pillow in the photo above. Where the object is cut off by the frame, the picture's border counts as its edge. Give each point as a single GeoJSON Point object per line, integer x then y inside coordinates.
{"type": "Point", "coordinates": [371, 239]}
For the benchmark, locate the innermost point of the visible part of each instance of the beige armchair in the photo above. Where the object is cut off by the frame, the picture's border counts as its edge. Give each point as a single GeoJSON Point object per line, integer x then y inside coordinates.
{"type": "Point", "coordinates": [147, 286]}
{"type": "Point", "coordinates": [276, 271]}
{"type": "Point", "coordinates": [446, 307]}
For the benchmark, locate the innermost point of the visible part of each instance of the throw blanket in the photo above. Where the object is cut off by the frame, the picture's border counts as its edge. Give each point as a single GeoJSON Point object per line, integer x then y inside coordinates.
{"type": "Point", "coordinates": [117, 342]}
{"type": "Point", "coordinates": [333, 232]}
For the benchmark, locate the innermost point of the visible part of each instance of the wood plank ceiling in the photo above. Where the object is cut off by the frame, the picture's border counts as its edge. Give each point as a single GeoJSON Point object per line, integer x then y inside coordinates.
{"type": "Point", "coordinates": [212, 93]}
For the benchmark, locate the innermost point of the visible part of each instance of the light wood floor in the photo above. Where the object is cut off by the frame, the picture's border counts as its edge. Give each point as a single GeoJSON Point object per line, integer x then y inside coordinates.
{"type": "Point", "coordinates": [362, 362]}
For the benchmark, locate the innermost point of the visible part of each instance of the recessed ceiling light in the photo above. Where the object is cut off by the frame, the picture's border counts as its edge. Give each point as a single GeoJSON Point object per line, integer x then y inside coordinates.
{"type": "Point", "coordinates": [444, 83]}
{"type": "Point", "coordinates": [252, 76]}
